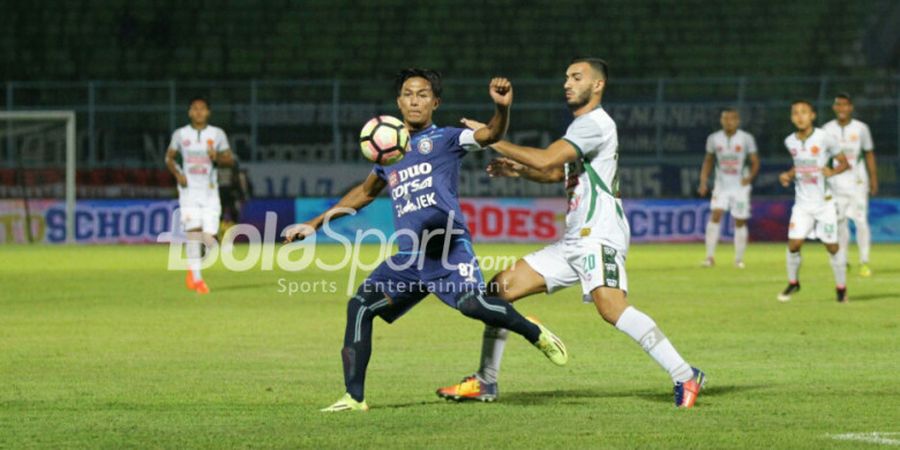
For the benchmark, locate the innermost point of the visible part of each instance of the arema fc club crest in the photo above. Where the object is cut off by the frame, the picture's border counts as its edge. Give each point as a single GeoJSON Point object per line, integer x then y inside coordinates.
{"type": "Point", "coordinates": [425, 146]}
{"type": "Point", "coordinates": [393, 179]}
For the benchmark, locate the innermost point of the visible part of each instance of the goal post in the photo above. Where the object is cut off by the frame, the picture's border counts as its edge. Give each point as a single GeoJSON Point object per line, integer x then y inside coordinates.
{"type": "Point", "coordinates": [8, 118]}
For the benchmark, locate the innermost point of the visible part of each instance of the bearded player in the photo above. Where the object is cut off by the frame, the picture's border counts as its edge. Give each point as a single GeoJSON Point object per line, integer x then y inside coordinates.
{"type": "Point", "coordinates": [593, 250]}
{"type": "Point", "coordinates": [423, 188]}
{"type": "Point", "coordinates": [201, 147]}
{"type": "Point", "coordinates": [852, 188]}
{"type": "Point", "coordinates": [729, 149]}
{"type": "Point", "coordinates": [814, 210]}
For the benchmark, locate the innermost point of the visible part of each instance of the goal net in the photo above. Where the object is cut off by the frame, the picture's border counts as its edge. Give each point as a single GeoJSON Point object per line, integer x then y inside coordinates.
{"type": "Point", "coordinates": [37, 150]}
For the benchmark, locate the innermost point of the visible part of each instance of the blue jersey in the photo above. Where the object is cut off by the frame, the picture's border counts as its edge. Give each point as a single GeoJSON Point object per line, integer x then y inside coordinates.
{"type": "Point", "coordinates": [423, 188]}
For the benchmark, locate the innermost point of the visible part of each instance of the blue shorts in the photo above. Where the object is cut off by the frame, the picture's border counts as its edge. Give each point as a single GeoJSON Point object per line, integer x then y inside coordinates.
{"type": "Point", "coordinates": [408, 277]}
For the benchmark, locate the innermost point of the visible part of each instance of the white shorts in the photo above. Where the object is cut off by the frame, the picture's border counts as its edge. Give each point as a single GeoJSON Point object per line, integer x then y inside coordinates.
{"type": "Point", "coordinates": [567, 262]}
{"type": "Point", "coordinates": [821, 219]}
{"type": "Point", "coordinates": [735, 201]}
{"type": "Point", "coordinates": [200, 209]}
{"type": "Point", "coordinates": [853, 206]}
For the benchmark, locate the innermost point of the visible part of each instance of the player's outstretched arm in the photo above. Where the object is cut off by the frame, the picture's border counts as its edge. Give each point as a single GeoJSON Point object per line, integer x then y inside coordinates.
{"type": "Point", "coordinates": [505, 167]}
{"type": "Point", "coordinates": [173, 167]}
{"type": "Point", "coordinates": [501, 93]}
{"type": "Point", "coordinates": [705, 170]}
{"type": "Point", "coordinates": [358, 197]}
{"type": "Point", "coordinates": [542, 160]}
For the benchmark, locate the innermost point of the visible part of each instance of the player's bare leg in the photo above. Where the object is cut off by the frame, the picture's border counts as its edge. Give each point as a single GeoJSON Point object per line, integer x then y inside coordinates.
{"type": "Point", "coordinates": [793, 269]}
{"type": "Point", "coordinates": [512, 284]}
{"type": "Point", "coordinates": [613, 306]}
{"type": "Point", "coordinates": [741, 235]}
{"type": "Point", "coordinates": [713, 230]}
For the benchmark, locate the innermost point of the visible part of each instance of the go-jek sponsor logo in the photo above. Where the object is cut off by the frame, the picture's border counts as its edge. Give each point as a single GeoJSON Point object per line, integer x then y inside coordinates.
{"type": "Point", "coordinates": [407, 188]}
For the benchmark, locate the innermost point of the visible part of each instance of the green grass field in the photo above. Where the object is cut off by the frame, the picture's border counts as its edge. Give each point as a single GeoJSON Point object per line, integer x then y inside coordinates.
{"type": "Point", "coordinates": [102, 347]}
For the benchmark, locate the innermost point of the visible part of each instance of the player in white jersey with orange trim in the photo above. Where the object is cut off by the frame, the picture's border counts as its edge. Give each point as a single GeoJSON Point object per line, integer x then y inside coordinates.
{"type": "Point", "coordinates": [592, 251]}
{"type": "Point", "coordinates": [852, 188]}
{"type": "Point", "coordinates": [729, 150]}
{"type": "Point", "coordinates": [201, 147]}
{"type": "Point", "coordinates": [812, 150]}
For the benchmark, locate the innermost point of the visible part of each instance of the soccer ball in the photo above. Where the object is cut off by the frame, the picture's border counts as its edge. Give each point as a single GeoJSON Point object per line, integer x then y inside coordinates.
{"type": "Point", "coordinates": [384, 140]}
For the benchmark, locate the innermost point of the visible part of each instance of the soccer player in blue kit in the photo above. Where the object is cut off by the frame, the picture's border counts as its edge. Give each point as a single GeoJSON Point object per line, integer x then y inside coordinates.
{"type": "Point", "coordinates": [435, 250]}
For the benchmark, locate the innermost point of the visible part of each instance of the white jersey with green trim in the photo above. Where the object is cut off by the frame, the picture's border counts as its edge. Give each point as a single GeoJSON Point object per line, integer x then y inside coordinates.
{"type": "Point", "coordinates": [595, 209]}
{"type": "Point", "coordinates": [855, 140]}
{"type": "Point", "coordinates": [810, 156]}
{"type": "Point", "coordinates": [194, 146]}
{"type": "Point", "coordinates": [731, 157]}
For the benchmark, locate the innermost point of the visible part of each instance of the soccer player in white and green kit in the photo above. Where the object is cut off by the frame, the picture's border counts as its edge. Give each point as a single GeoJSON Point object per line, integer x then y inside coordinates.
{"type": "Point", "coordinates": [812, 150]}
{"type": "Point", "coordinates": [729, 150]}
{"type": "Point", "coordinates": [593, 250]}
{"type": "Point", "coordinates": [852, 188]}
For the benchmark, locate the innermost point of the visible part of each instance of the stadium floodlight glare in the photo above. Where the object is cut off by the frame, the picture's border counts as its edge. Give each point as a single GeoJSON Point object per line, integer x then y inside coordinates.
{"type": "Point", "coordinates": [9, 117]}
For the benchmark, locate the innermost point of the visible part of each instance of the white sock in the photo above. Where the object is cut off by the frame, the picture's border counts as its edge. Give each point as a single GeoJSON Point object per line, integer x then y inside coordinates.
{"type": "Point", "coordinates": [712, 237]}
{"type": "Point", "coordinates": [844, 237]}
{"type": "Point", "coordinates": [863, 239]}
{"type": "Point", "coordinates": [644, 331]}
{"type": "Point", "coordinates": [793, 266]}
{"type": "Point", "coordinates": [839, 267]}
{"type": "Point", "coordinates": [740, 242]}
{"type": "Point", "coordinates": [492, 345]}
{"type": "Point", "coordinates": [193, 259]}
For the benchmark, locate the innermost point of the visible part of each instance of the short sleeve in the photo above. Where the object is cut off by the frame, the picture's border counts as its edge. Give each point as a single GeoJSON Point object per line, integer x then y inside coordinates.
{"type": "Point", "coordinates": [175, 143]}
{"type": "Point", "coordinates": [865, 139]}
{"type": "Point", "coordinates": [710, 147]}
{"type": "Point", "coordinates": [467, 141]}
{"type": "Point", "coordinates": [751, 144]}
{"type": "Point", "coordinates": [587, 136]}
{"type": "Point", "coordinates": [222, 142]}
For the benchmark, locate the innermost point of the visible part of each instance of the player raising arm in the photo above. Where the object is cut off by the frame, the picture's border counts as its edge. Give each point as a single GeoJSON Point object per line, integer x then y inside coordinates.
{"type": "Point", "coordinates": [814, 210]}
{"type": "Point", "coordinates": [423, 187]}
{"type": "Point", "coordinates": [593, 249]}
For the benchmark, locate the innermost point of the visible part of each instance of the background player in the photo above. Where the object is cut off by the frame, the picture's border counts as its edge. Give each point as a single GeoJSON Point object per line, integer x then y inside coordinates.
{"type": "Point", "coordinates": [595, 243]}
{"type": "Point", "coordinates": [729, 149]}
{"type": "Point", "coordinates": [201, 147]}
{"type": "Point", "coordinates": [852, 188]}
{"type": "Point", "coordinates": [814, 209]}
{"type": "Point", "coordinates": [423, 187]}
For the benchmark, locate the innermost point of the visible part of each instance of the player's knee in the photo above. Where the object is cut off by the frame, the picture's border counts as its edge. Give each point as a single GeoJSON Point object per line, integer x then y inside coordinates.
{"type": "Point", "coordinates": [500, 287]}
{"type": "Point", "coordinates": [739, 223]}
{"type": "Point", "coordinates": [468, 305]}
{"type": "Point", "coordinates": [358, 303]}
{"type": "Point", "coordinates": [716, 216]}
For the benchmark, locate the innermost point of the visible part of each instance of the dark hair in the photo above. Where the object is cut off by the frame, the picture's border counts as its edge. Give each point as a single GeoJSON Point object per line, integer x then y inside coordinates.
{"type": "Point", "coordinates": [844, 96]}
{"type": "Point", "coordinates": [433, 77]}
{"type": "Point", "coordinates": [596, 63]}
{"type": "Point", "coordinates": [198, 98]}
{"type": "Point", "coordinates": [729, 109]}
{"type": "Point", "coordinates": [805, 102]}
